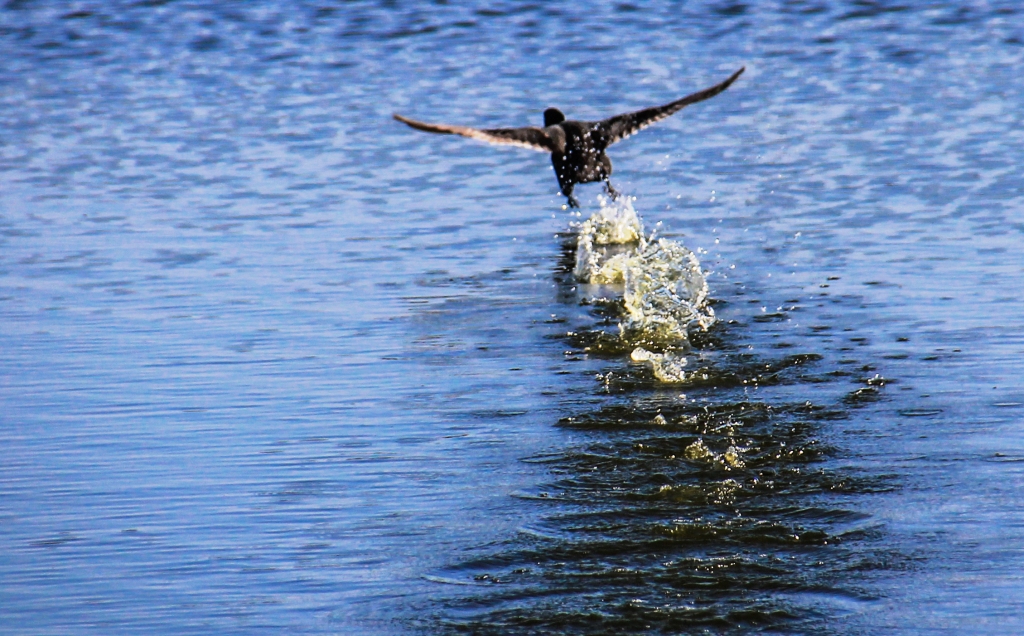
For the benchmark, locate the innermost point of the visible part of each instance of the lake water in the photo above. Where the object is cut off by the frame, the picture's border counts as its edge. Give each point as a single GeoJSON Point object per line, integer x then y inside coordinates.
{"type": "Point", "coordinates": [272, 362]}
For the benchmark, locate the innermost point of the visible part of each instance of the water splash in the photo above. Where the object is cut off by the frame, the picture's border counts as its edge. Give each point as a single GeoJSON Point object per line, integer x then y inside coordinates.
{"type": "Point", "coordinates": [600, 258]}
{"type": "Point", "coordinates": [664, 291]}
{"type": "Point", "coordinates": [667, 367]}
{"type": "Point", "coordinates": [665, 295]}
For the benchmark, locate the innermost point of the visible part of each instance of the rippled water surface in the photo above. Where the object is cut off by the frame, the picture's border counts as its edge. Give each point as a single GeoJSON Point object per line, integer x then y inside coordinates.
{"type": "Point", "coordinates": [272, 362]}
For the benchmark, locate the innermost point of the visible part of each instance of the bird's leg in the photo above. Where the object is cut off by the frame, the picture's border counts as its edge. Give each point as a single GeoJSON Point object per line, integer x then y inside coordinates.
{"type": "Point", "coordinates": [612, 192]}
{"type": "Point", "coordinates": [567, 191]}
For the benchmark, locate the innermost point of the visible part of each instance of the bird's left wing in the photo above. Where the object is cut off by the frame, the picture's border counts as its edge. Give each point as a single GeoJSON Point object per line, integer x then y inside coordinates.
{"type": "Point", "coordinates": [529, 137]}
{"type": "Point", "coordinates": [621, 126]}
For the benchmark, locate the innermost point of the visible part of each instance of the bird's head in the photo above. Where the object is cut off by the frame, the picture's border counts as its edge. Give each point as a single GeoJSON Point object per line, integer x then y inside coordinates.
{"type": "Point", "coordinates": [553, 116]}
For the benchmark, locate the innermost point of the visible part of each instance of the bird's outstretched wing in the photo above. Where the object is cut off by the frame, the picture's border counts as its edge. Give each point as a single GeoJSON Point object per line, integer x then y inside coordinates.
{"type": "Point", "coordinates": [530, 137]}
{"type": "Point", "coordinates": [621, 126]}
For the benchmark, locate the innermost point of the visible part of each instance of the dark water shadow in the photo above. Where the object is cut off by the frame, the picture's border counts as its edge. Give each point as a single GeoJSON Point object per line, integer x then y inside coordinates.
{"type": "Point", "coordinates": [721, 513]}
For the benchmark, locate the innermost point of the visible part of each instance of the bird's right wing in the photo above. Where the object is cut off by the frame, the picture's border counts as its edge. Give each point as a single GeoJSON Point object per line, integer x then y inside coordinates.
{"type": "Point", "coordinates": [621, 126]}
{"type": "Point", "coordinates": [530, 137]}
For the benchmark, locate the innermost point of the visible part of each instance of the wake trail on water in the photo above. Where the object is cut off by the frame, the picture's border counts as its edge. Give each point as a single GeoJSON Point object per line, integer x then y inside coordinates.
{"type": "Point", "coordinates": [664, 292]}
{"type": "Point", "coordinates": [669, 513]}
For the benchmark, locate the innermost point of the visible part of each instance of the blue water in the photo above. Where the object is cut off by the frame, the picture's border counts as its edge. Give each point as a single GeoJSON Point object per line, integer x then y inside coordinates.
{"type": "Point", "coordinates": [272, 362]}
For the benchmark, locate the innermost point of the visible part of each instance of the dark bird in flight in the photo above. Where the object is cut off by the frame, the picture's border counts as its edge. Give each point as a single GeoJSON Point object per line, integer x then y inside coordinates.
{"type": "Point", "coordinates": [576, 147]}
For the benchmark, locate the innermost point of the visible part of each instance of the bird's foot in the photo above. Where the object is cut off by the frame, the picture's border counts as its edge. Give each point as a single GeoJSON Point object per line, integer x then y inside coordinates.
{"type": "Point", "coordinates": [573, 203]}
{"type": "Point", "coordinates": [612, 192]}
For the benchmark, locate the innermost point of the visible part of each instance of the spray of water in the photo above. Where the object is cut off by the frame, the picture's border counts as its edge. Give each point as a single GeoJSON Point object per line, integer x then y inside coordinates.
{"type": "Point", "coordinates": [664, 291]}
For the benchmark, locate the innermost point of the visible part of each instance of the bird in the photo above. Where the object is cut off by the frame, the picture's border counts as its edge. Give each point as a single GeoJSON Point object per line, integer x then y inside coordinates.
{"type": "Point", "coordinates": [577, 147]}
